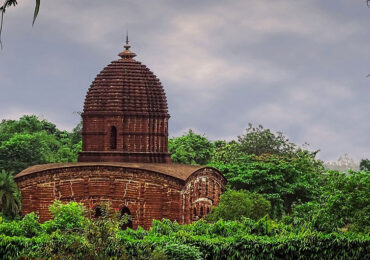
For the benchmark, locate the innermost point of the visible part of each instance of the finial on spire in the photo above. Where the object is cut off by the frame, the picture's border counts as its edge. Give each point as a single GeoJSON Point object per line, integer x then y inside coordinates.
{"type": "Point", "coordinates": [127, 54]}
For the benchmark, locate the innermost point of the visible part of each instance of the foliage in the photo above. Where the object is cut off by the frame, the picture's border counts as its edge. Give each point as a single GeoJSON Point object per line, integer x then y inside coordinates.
{"type": "Point", "coordinates": [281, 179]}
{"type": "Point", "coordinates": [30, 140]}
{"type": "Point", "coordinates": [234, 205]}
{"type": "Point", "coordinates": [343, 203]}
{"type": "Point", "coordinates": [67, 217]}
{"type": "Point", "coordinates": [263, 239]}
{"type": "Point", "coordinates": [226, 152]}
{"type": "Point", "coordinates": [10, 203]}
{"type": "Point", "coordinates": [365, 165]}
{"type": "Point", "coordinates": [258, 141]}
{"type": "Point", "coordinates": [190, 149]}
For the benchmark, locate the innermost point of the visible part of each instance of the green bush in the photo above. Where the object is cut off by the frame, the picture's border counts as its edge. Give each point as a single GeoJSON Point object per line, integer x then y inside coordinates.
{"type": "Point", "coordinates": [102, 239]}
{"type": "Point", "coordinates": [67, 217]}
{"type": "Point", "coordinates": [237, 204]}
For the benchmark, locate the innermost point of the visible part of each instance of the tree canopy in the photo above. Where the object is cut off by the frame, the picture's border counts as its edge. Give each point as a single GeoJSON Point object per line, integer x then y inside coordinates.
{"type": "Point", "coordinates": [190, 149]}
{"type": "Point", "coordinates": [30, 141]}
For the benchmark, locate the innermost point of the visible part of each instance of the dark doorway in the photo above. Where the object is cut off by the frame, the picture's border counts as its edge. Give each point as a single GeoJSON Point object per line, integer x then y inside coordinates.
{"type": "Point", "coordinates": [113, 137]}
{"type": "Point", "coordinates": [98, 212]}
{"type": "Point", "coordinates": [126, 214]}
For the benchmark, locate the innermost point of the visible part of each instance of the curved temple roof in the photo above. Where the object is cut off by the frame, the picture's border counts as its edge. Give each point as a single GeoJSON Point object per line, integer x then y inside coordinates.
{"type": "Point", "coordinates": [179, 171]}
{"type": "Point", "coordinates": [126, 86]}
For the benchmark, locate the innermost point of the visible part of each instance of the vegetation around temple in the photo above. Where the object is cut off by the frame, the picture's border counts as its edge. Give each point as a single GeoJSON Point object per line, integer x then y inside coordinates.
{"type": "Point", "coordinates": [280, 202]}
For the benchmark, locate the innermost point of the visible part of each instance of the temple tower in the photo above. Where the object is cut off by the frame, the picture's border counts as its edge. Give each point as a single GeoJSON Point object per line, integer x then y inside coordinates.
{"type": "Point", "coordinates": [125, 116]}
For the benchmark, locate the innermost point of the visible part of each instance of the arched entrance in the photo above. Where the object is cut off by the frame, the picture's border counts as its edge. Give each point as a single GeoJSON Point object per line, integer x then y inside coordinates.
{"type": "Point", "coordinates": [126, 216]}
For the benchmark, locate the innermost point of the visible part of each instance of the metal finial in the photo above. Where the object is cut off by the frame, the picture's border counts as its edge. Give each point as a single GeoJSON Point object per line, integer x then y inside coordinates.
{"type": "Point", "coordinates": [127, 46]}
{"type": "Point", "coordinates": [127, 54]}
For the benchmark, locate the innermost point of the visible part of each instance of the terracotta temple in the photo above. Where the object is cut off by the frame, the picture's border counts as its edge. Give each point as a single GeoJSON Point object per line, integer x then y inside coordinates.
{"type": "Point", "coordinates": [124, 158]}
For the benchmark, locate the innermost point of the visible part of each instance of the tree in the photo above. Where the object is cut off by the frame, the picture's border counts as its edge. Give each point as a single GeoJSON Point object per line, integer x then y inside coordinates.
{"type": "Point", "coordinates": [26, 124]}
{"type": "Point", "coordinates": [30, 140]}
{"type": "Point", "coordinates": [190, 149]}
{"type": "Point", "coordinates": [365, 165]}
{"type": "Point", "coordinates": [24, 150]}
{"type": "Point", "coordinates": [10, 204]}
{"type": "Point", "coordinates": [344, 202]}
{"type": "Point", "coordinates": [234, 205]}
{"type": "Point", "coordinates": [283, 180]}
{"type": "Point", "coordinates": [226, 152]}
{"type": "Point", "coordinates": [258, 141]}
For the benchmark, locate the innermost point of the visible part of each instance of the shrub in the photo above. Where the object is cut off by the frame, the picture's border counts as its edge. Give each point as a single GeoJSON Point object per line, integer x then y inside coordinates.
{"type": "Point", "coordinates": [67, 217]}
{"type": "Point", "coordinates": [237, 204]}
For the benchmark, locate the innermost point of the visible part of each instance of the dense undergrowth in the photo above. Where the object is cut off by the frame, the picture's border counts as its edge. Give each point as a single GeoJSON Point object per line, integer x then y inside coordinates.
{"type": "Point", "coordinates": [73, 235]}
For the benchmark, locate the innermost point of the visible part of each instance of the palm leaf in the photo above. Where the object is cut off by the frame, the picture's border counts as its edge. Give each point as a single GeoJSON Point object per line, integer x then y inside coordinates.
{"type": "Point", "coordinates": [6, 4]}
{"type": "Point", "coordinates": [37, 8]}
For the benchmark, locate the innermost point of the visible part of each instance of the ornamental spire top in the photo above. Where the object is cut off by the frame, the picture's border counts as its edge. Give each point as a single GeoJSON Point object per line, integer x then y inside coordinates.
{"type": "Point", "coordinates": [127, 54]}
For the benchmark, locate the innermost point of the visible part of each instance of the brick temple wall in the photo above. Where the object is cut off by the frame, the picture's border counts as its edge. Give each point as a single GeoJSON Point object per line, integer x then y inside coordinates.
{"type": "Point", "coordinates": [148, 195]}
{"type": "Point", "coordinates": [139, 138]}
{"type": "Point", "coordinates": [201, 192]}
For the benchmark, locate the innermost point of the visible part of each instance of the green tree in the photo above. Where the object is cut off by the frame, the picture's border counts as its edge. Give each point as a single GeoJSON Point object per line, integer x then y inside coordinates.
{"type": "Point", "coordinates": [190, 149]}
{"type": "Point", "coordinates": [10, 203]}
{"type": "Point", "coordinates": [344, 202]}
{"type": "Point", "coordinates": [27, 124]}
{"type": "Point", "coordinates": [226, 152]}
{"type": "Point", "coordinates": [30, 140]}
{"type": "Point", "coordinates": [365, 165]}
{"type": "Point", "coordinates": [24, 150]}
{"type": "Point", "coordinates": [283, 180]}
{"type": "Point", "coordinates": [234, 205]}
{"type": "Point", "coordinates": [258, 140]}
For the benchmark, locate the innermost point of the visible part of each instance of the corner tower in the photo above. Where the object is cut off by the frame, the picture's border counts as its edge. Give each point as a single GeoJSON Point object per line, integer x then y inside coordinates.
{"type": "Point", "coordinates": [125, 116]}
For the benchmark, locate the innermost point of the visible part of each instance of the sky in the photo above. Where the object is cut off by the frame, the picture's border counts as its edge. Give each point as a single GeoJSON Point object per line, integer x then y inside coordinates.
{"type": "Point", "coordinates": [299, 67]}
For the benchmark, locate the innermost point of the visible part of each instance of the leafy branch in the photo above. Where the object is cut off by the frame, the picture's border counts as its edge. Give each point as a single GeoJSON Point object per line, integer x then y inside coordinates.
{"type": "Point", "coordinates": [9, 3]}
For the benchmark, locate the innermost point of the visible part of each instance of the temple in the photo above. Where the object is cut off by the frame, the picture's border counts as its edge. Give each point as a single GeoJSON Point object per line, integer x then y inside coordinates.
{"type": "Point", "coordinates": [124, 158]}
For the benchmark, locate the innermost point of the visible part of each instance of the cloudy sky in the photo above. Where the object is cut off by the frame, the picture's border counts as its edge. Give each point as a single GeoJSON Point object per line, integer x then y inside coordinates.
{"type": "Point", "coordinates": [298, 67]}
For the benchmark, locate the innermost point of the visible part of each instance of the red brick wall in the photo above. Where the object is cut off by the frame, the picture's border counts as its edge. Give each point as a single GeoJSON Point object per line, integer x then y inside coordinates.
{"type": "Point", "coordinates": [201, 192]}
{"type": "Point", "coordinates": [148, 195]}
{"type": "Point", "coordinates": [139, 138]}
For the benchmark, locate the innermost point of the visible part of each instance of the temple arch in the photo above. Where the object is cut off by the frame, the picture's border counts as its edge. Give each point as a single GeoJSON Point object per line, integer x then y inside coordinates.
{"type": "Point", "coordinates": [125, 212]}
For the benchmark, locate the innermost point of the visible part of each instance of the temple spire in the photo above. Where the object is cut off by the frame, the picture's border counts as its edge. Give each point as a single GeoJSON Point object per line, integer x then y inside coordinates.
{"type": "Point", "coordinates": [127, 54]}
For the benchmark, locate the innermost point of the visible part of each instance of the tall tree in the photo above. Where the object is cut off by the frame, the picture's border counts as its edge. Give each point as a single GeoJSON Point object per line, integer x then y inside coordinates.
{"type": "Point", "coordinates": [191, 148]}
{"type": "Point", "coordinates": [258, 141]}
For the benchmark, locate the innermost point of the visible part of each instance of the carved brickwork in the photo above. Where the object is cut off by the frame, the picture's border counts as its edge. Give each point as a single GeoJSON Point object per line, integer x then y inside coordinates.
{"type": "Point", "coordinates": [124, 158]}
{"type": "Point", "coordinates": [125, 117]}
{"type": "Point", "coordinates": [147, 194]}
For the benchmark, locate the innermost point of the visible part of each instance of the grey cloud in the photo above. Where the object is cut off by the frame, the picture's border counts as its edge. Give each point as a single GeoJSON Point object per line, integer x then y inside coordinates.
{"type": "Point", "coordinates": [294, 66]}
